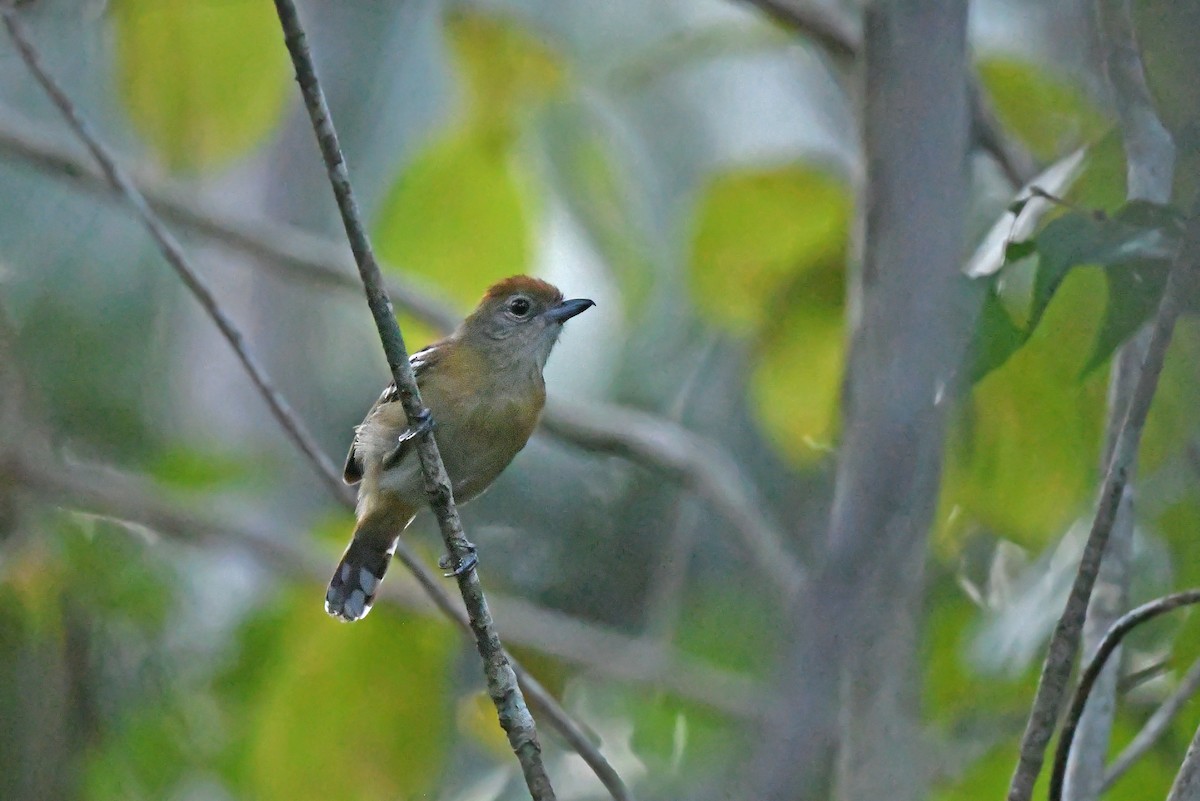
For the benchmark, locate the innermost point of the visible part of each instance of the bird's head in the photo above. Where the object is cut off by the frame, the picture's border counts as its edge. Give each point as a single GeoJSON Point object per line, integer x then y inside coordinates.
{"type": "Point", "coordinates": [520, 318]}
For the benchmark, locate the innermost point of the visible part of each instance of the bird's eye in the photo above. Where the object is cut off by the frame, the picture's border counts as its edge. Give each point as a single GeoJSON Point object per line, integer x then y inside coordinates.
{"type": "Point", "coordinates": [519, 306]}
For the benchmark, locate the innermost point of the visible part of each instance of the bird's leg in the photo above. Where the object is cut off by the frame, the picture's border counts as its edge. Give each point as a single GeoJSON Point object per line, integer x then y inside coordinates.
{"type": "Point", "coordinates": [423, 426]}
{"type": "Point", "coordinates": [467, 564]}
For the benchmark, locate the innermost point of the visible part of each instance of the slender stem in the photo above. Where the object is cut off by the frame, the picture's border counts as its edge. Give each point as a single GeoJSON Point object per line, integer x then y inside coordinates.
{"type": "Point", "coordinates": [1155, 727]}
{"type": "Point", "coordinates": [1112, 639]}
{"type": "Point", "coordinates": [1064, 643]}
{"type": "Point", "coordinates": [1150, 159]}
{"type": "Point", "coordinates": [502, 682]}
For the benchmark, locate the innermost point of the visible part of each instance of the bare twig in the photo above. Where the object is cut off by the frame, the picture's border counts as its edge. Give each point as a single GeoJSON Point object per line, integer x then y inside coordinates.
{"type": "Point", "coordinates": [288, 420]}
{"type": "Point", "coordinates": [1064, 643]}
{"type": "Point", "coordinates": [842, 40]}
{"type": "Point", "coordinates": [173, 253]}
{"type": "Point", "coordinates": [502, 683]}
{"type": "Point", "coordinates": [1150, 159]}
{"type": "Point", "coordinates": [654, 442]}
{"type": "Point", "coordinates": [1156, 725]}
{"type": "Point", "coordinates": [1112, 639]}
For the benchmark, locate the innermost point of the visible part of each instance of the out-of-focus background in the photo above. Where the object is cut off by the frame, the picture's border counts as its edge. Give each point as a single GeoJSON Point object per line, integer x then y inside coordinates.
{"type": "Point", "coordinates": [694, 166]}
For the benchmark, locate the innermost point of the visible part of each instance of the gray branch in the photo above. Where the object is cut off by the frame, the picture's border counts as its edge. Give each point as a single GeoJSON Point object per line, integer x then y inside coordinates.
{"type": "Point", "coordinates": [294, 254]}
{"type": "Point", "coordinates": [502, 683]}
{"type": "Point", "coordinates": [1087, 679]}
{"type": "Point", "coordinates": [847, 711]}
{"type": "Point", "coordinates": [1155, 727]}
{"type": "Point", "coordinates": [1064, 643]}
{"type": "Point", "coordinates": [1150, 159]}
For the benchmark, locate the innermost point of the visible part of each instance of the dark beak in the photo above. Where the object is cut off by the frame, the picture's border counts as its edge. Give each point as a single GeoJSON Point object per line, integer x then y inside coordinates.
{"type": "Point", "coordinates": [568, 308]}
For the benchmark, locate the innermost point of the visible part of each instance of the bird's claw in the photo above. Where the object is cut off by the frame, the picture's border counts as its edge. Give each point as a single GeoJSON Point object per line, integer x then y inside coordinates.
{"type": "Point", "coordinates": [423, 426]}
{"type": "Point", "coordinates": [466, 565]}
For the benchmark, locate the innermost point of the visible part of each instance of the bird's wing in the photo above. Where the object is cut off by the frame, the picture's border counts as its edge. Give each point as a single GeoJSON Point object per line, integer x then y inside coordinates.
{"type": "Point", "coordinates": [421, 361]}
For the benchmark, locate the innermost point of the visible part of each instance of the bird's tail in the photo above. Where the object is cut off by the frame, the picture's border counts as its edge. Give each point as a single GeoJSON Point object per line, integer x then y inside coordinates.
{"type": "Point", "coordinates": [356, 580]}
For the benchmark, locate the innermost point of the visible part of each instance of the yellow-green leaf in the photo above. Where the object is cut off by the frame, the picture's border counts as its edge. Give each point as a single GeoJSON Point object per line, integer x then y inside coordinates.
{"type": "Point", "coordinates": [797, 376]}
{"type": "Point", "coordinates": [460, 215]}
{"type": "Point", "coordinates": [203, 80]}
{"type": "Point", "coordinates": [505, 67]}
{"type": "Point", "coordinates": [755, 232]}
{"type": "Point", "coordinates": [1048, 114]}
{"type": "Point", "coordinates": [1023, 456]}
{"type": "Point", "coordinates": [360, 713]}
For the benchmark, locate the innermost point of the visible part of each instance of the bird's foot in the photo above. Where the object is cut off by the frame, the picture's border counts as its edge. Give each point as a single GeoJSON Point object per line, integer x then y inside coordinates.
{"type": "Point", "coordinates": [467, 564]}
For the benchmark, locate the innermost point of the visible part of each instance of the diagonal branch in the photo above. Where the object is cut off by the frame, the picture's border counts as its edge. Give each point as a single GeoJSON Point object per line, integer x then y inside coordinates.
{"type": "Point", "coordinates": [1064, 643]}
{"type": "Point", "coordinates": [1150, 159]}
{"type": "Point", "coordinates": [654, 442]}
{"type": "Point", "coordinates": [291, 424]}
{"type": "Point", "coordinates": [506, 694]}
{"type": "Point", "coordinates": [1087, 680]}
{"type": "Point", "coordinates": [1155, 727]}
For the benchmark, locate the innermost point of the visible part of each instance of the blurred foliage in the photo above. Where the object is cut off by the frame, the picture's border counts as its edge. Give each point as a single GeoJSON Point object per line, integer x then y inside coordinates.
{"type": "Point", "coordinates": [324, 711]}
{"type": "Point", "coordinates": [202, 80]}
{"type": "Point", "coordinates": [131, 668]}
{"type": "Point", "coordinates": [1047, 114]}
{"type": "Point", "coordinates": [768, 256]}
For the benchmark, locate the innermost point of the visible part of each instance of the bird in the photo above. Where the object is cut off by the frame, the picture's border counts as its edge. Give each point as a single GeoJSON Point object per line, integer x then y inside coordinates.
{"type": "Point", "coordinates": [484, 389]}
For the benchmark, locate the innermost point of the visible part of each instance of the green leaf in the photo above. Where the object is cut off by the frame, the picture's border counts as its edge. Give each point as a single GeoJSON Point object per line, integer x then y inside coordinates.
{"type": "Point", "coordinates": [1134, 291]}
{"type": "Point", "coordinates": [460, 215]}
{"type": "Point", "coordinates": [327, 710]}
{"type": "Point", "coordinates": [1049, 115]}
{"type": "Point", "coordinates": [197, 469]}
{"type": "Point", "coordinates": [505, 67]}
{"type": "Point", "coordinates": [1021, 458]}
{"type": "Point", "coordinates": [204, 81]}
{"type": "Point", "coordinates": [797, 376]}
{"type": "Point", "coordinates": [756, 231]}
{"type": "Point", "coordinates": [1175, 413]}
{"type": "Point", "coordinates": [1015, 251]}
{"type": "Point", "coordinates": [996, 336]}
{"type": "Point", "coordinates": [1077, 239]}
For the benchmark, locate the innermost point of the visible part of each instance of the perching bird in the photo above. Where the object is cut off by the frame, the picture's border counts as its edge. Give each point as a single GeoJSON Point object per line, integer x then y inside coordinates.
{"type": "Point", "coordinates": [483, 385]}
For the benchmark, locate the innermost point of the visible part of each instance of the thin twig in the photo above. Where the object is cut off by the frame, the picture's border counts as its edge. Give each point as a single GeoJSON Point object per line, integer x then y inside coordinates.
{"type": "Point", "coordinates": [838, 37]}
{"type": "Point", "coordinates": [502, 683]}
{"type": "Point", "coordinates": [173, 253]}
{"type": "Point", "coordinates": [654, 442]}
{"type": "Point", "coordinates": [292, 424]}
{"type": "Point", "coordinates": [1064, 643]}
{"type": "Point", "coordinates": [1112, 639]}
{"type": "Point", "coordinates": [1150, 160]}
{"type": "Point", "coordinates": [1155, 727]}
